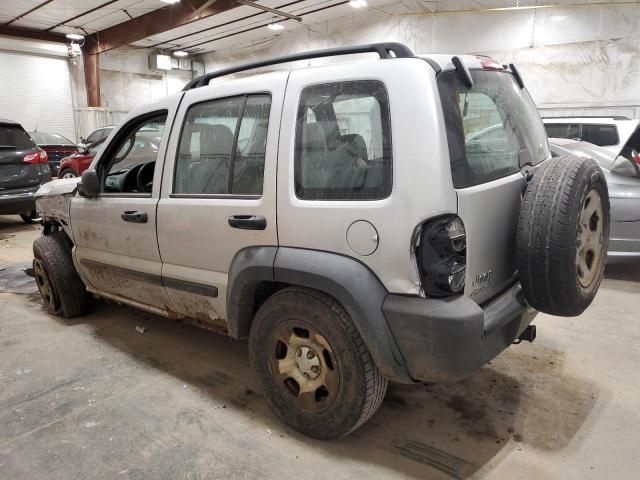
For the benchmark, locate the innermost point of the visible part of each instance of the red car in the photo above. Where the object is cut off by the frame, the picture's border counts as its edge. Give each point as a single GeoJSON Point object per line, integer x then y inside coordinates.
{"type": "Point", "coordinates": [144, 147]}
{"type": "Point", "coordinates": [77, 163]}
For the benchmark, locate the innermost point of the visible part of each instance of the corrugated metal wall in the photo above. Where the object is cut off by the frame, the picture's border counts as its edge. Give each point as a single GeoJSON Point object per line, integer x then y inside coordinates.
{"type": "Point", "coordinates": [35, 91]}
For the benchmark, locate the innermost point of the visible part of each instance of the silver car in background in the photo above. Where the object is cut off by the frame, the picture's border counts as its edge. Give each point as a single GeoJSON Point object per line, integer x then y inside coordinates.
{"type": "Point", "coordinates": [623, 179]}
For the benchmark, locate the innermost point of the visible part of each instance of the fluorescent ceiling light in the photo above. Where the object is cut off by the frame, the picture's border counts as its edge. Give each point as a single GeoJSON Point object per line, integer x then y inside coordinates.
{"type": "Point", "coordinates": [275, 26]}
{"type": "Point", "coordinates": [169, 1]}
{"type": "Point", "coordinates": [74, 36]}
{"type": "Point", "coordinates": [180, 53]}
{"type": "Point", "coordinates": [358, 3]}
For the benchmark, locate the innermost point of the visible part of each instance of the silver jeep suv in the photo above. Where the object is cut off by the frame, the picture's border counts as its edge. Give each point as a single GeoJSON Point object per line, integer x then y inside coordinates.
{"type": "Point", "coordinates": [391, 219]}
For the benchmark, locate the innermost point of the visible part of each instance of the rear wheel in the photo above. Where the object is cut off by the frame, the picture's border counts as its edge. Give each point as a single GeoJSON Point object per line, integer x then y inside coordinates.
{"type": "Point", "coordinates": [563, 235]}
{"type": "Point", "coordinates": [62, 290]}
{"type": "Point", "coordinates": [30, 217]}
{"type": "Point", "coordinates": [67, 173]}
{"type": "Point", "coordinates": [315, 369]}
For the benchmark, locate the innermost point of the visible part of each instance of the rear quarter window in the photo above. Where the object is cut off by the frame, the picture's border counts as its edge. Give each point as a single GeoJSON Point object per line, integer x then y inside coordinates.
{"type": "Point", "coordinates": [601, 135]}
{"type": "Point", "coordinates": [343, 142]}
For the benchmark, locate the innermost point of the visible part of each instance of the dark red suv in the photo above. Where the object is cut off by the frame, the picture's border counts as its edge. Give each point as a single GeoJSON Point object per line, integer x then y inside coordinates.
{"type": "Point", "coordinates": [74, 165]}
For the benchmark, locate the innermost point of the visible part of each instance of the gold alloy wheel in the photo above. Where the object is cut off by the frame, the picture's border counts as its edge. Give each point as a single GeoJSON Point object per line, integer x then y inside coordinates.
{"type": "Point", "coordinates": [590, 239]}
{"type": "Point", "coordinates": [44, 284]}
{"type": "Point", "coordinates": [303, 365]}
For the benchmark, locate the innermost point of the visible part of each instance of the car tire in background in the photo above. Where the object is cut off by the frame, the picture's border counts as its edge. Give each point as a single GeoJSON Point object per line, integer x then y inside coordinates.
{"type": "Point", "coordinates": [63, 292]}
{"type": "Point", "coordinates": [563, 235]}
{"type": "Point", "coordinates": [67, 173]}
{"type": "Point", "coordinates": [30, 217]}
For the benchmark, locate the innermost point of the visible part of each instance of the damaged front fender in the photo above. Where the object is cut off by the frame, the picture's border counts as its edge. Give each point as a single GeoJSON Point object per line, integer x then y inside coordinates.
{"type": "Point", "coordinates": [53, 203]}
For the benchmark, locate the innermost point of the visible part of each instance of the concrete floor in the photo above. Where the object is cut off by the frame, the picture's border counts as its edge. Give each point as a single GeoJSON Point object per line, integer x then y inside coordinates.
{"type": "Point", "coordinates": [93, 398]}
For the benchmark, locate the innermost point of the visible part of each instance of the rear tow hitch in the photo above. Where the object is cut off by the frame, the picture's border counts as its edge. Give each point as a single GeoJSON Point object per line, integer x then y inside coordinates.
{"type": "Point", "coordinates": [528, 335]}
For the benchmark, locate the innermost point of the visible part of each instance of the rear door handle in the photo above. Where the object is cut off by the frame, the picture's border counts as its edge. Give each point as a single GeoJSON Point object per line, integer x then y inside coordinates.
{"type": "Point", "coordinates": [248, 222]}
{"type": "Point", "coordinates": [134, 216]}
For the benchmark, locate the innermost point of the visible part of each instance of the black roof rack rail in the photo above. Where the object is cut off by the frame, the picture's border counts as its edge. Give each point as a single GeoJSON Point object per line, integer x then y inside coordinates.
{"type": "Point", "coordinates": [613, 117]}
{"type": "Point", "coordinates": [383, 49]}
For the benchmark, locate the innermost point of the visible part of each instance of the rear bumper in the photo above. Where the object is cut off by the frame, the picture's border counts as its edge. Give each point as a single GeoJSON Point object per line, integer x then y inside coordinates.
{"type": "Point", "coordinates": [448, 339]}
{"type": "Point", "coordinates": [17, 201]}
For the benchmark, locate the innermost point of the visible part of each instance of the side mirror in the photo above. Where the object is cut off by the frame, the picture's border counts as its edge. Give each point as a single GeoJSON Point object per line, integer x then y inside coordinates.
{"type": "Point", "coordinates": [89, 185]}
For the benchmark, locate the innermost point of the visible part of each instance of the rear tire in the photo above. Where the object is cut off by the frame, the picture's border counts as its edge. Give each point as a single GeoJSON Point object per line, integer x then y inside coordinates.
{"type": "Point", "coordinates": [563, 235]}
{"type": "Point", "coordinates": [67, 173]}
{"type": "Point", "coordinates": [316, 372]}
{"type": "Point", "coordinates": [63, 292]}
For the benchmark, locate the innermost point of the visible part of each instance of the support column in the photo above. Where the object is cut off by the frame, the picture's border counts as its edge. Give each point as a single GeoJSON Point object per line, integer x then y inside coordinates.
{"type": "Point", "coordinates": [92, 77]}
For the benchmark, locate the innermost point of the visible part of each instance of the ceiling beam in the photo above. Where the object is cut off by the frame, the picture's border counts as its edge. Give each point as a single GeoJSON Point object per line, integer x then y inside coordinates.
{"type": "Point", "coordinates": [211, 40]}
{"type": "Point", "coordinates": [86, 12]}
{"type": "Point", "coordinates": [40, 5]}
{"type": "Point", "coordinates": [32, 34]}
{"type": "Point", "coordinates": [154, 22]}
{"type": "Point", "coordinates": [197, 32]}
{"type": "Point", "coordinates": [270, 10]}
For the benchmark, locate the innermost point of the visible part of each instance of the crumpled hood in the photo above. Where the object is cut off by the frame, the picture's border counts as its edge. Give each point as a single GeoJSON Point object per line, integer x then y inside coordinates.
{"type": "Point", "coordinates": [62, 186]}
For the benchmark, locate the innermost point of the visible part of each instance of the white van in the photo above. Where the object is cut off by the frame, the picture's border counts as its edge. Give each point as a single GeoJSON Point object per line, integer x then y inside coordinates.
{"type": "Point", "coordinates": [613, 133]}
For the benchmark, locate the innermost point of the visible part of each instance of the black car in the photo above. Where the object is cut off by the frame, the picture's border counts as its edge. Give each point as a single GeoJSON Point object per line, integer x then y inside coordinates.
{"type": "Point", "coordinates": [56, 146]}
{"type": "Point", "coordinates": [23, 168]}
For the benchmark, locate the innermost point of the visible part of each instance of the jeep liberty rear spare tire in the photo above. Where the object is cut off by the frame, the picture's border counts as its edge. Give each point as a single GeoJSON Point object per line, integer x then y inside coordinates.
{"type": "Point", "coordinates": [563, 235]}
{"type": "Point", "coordinates": [315, 369]}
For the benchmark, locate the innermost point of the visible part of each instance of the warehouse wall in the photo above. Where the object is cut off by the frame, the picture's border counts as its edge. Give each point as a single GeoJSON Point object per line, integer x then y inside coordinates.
{"type": "Point", "coordinates": [35, 85]}
{"type": "Point", "coordinates": [574, 60]}
{"type": "Point", "coordinates": [125, 83]}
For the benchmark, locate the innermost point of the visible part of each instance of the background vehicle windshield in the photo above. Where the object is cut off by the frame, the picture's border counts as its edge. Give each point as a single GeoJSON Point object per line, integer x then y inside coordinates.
{"type": "Point", "coordinates": [14, 136]}
{"type": "Point", "coordinates": [50, 139]}
{"type": "Point", "coordinates": [493, 128]}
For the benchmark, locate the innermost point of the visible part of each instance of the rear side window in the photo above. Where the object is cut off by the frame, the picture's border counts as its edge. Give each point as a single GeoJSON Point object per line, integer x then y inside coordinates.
{"type": "Point", "coordinates": [13, 136]}
{"type": "Point", "coordinates": [602, 135]}
{"type": "Point", "coordinates": [343, 142]}
{"type": "Point", "coordinates": [222, 147]}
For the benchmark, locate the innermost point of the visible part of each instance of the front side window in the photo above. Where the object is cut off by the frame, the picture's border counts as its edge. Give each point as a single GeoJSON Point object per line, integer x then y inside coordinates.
{"type": "Point", "coordinates": [130, 163]}
{"type": "Point", "coordinates": [493, 128]}
{"type": "Point", "coordinates": [343, 142]}
{"type": "Point", "coordinates": [223, 146]}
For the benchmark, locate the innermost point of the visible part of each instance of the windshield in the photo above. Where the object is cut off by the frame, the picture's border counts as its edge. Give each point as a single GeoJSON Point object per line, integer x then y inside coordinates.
{"type": "Point", "coordinates": [493, 128]}
{"type": "Point", "coordinates": [13, 136]}
{"type": "Point", "coordinates": [50, 139]}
